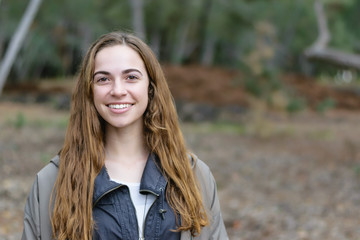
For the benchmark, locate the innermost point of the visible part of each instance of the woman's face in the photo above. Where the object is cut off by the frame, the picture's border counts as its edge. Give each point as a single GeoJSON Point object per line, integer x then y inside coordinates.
{"type": "Point", "coordinates": [120, 86]}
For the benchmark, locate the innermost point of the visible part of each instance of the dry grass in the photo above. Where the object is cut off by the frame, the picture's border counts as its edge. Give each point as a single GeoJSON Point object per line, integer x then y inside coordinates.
{"type": "Point", "coordinates": [279, 177]}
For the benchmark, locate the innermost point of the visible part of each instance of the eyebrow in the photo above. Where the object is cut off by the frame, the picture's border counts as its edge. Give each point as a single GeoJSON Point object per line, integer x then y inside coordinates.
{"type": "Point", "coordinates": [131, 70]}
{"type": "Point", "coordinates": [101, 72]}
{"type": "Point", "coordinates": [123, 72]}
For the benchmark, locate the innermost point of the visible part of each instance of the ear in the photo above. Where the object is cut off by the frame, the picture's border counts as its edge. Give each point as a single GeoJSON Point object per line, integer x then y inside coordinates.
{"type": "Point", "coordinates": [151, 91]}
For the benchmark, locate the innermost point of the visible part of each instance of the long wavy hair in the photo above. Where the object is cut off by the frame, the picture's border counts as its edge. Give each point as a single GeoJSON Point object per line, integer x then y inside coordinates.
{"type": "Point", "coordinates": [82, 155]}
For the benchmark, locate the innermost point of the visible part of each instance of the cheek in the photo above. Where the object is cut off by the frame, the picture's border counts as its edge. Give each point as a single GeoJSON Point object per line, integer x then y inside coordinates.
{"type": "Point", "coordinates": [97, 97]}
{"type": "Point", "coordinates": [98, 92]}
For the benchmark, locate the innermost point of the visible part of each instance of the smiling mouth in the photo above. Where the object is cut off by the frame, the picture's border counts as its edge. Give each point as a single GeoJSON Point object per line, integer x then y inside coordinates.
{"type": "Point", "coordinates": [119, 106]}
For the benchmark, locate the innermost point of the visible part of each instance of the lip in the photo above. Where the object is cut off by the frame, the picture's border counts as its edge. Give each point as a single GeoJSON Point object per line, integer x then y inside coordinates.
{"type": "Point", "coordinates": [119, 107]}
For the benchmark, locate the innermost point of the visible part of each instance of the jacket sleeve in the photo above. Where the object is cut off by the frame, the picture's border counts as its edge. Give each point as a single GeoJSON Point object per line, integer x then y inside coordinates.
{"type": "Point", "coordinates": [37, 223]}
{"type": "Point", "coordinates": [32, 215]}
{"type": "Point", "coordinates": [216, 229]}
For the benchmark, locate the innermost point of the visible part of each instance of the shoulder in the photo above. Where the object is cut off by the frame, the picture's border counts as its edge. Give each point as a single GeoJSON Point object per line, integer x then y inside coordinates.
{"type": "Point", "coordinates": [45, 180]}
{"type": "Point", "coordinates": [200, 168]}
{"type": "Point", "coordinates": [207, 185]}
{"type": "Point", "coordinates": [50, 171]}
{"type": "Point", "coordinates": [37, 223]}
{"type": "Point", "coordinates": [198, 165]}
{"type": "Point", "coordinates": [205, 179]}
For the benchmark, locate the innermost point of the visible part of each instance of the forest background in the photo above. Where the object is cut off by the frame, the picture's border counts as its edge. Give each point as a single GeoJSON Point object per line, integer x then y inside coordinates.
{"type": "Point", "coordinates": [277, 125]}
{"type": "Point", "coordinates": [259, 37]}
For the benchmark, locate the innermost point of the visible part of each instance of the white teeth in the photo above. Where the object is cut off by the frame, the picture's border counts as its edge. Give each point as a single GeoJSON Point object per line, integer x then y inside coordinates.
{"type": "Point", "coordinates": [119, 106]}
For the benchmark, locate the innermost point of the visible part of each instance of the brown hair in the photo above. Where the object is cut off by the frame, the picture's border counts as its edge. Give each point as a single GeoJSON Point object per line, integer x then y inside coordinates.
{"type": "Point", "coordinates": [82, 155]}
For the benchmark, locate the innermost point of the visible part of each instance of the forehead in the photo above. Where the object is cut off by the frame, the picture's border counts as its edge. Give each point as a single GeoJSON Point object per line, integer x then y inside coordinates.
{"type": "Point", "coordinates": [118, 56]}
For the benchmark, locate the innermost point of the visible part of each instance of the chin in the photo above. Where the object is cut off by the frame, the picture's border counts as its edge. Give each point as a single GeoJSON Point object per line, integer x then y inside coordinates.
{"type": "Point", "coordinates": [122, 125]}
{"type": "Point", "coordinates": [117, 125]}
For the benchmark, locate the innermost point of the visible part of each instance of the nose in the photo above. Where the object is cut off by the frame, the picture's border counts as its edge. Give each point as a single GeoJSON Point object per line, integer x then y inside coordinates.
{"type": "Point", "coordinates": [118, 88]}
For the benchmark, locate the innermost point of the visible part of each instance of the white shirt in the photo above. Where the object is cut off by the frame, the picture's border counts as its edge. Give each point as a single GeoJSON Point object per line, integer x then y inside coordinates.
{"type": "Point", "coordinates": [141, 202]}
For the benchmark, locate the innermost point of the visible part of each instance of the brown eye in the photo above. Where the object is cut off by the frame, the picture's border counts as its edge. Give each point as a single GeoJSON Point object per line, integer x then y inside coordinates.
{"type": "Point", "coordinates": [132, 77]}
{"type": "Point", "coordinates": [102, 80]}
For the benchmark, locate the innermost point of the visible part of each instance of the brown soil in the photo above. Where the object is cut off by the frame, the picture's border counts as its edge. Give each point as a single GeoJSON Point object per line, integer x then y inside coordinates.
{"type": "Point", "coordinates": [216, 86]}
{"type": "Point", "coordinates": [279, 176]}
{"type": "Point", "coordinates": [205, 85]}
{"type": "Point", "coordinates": [314, 92]}
{"type": "Point", "coordinates": [223, 87]}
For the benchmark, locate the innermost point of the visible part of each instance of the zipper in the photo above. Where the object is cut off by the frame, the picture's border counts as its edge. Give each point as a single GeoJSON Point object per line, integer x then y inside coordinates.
{"type": "Point", "coordinates": [147, 191]}
{"type": "Point", "coordinates": [147, 212]}
{"type": "Point", "coordinates": [137, 220]}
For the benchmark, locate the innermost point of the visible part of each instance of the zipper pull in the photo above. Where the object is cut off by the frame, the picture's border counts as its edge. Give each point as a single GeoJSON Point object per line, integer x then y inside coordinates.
{"type": "Point", "coordinates": [162, 212]}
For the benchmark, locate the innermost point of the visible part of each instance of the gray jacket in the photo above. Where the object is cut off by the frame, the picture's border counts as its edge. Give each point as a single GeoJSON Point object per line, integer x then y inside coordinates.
{"type": "Point", "coordinates": [37, 223]}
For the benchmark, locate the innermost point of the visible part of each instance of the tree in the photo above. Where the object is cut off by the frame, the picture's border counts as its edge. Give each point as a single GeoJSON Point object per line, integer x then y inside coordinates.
{"type": "Point", "coordinates": [208, 32]}
{"type": "Point", "coordinates": [17, 40]}
{"type": "Point", "coordinates": [207, 37]}
{"type": "Point", "coordinates": [137, 10]}
{"type": "Point", "coordinates": [319, 50]}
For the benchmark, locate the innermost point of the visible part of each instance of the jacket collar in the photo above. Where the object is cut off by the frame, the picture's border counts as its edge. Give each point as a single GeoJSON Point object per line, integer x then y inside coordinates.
{"type": "Point", "coordinates": [152, 180]}
{"type": "Point", "coordinates": [192, 157]}
{"type": "Point", "coordinates": [55, 160]}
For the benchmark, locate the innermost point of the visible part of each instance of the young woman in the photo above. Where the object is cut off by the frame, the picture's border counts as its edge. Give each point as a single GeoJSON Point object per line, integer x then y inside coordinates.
{"type": "Point", "coordinates": [124, 171]}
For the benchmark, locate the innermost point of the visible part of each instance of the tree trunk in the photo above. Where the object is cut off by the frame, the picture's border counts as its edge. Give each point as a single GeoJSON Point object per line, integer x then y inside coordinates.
{"type": "Point", "coordinates": [320, 51]}
{"type": "Point", "coordinates": [86, 33]}
{"type": "Point", "coordinates": [207, 57]}
{"type": "Point", "coordinates": [180, 46]}
{"type": "Point", "coordinates": [207, 39]}
{"type": "Point", "coordinates": [155, 43]}
{"type": "Point", "coordinates": [1, 44]}
{"type": "Point", "coordinates": [137, 9]}
{"type": "Point", "coordinates": [17, 40]}
{"type": "Point", "coordinates": [324, 34]}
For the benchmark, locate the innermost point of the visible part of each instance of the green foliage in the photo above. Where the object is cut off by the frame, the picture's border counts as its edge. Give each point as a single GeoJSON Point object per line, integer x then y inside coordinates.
{"type": "Point", "coordinates": [266, 35]}
{"type": "Point", "coordinates": [357, 170]}
{"type": "Point", "coordinates": [339, 2]}
{"type": "Point", "coordinates": [20, 121]}
{"type": "Point", "coordinates": [261, 84]}
{"type": "Point", "coordinates": [10, 15]}
{"type": "Point", "coordinates": [253, 86]}
{"type": "Point", "coordinates": [296, 104]}
{"type": "Point", "coordinates": [325, 105]}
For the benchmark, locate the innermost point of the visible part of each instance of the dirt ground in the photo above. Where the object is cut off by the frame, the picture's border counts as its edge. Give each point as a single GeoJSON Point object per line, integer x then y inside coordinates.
{"type": "Point", "coordinates": [279, 176]}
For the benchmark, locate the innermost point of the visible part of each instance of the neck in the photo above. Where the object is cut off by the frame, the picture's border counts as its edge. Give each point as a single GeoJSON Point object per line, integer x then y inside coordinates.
{"type": "Point", "coordinates": [125, 153]}
{"type": "Point", "coordinates": [125, 145]}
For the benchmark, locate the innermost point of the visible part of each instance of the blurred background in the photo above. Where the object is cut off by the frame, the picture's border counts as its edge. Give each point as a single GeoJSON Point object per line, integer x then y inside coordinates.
{"type": "Point", "coordinates": [268, 95]}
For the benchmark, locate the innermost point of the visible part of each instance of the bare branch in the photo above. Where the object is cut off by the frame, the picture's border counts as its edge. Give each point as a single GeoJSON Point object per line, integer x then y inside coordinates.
{"type": "Point", "coordinates": [324, 34]}
{"type": "Point", "coordinates": [138, 17]}
{"type": "Point", "coordinates": [336, 57]}
{"type": "Point", "coordinates": [17, 40]}
{"type": "Point", "coordinates": [319, 49]}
